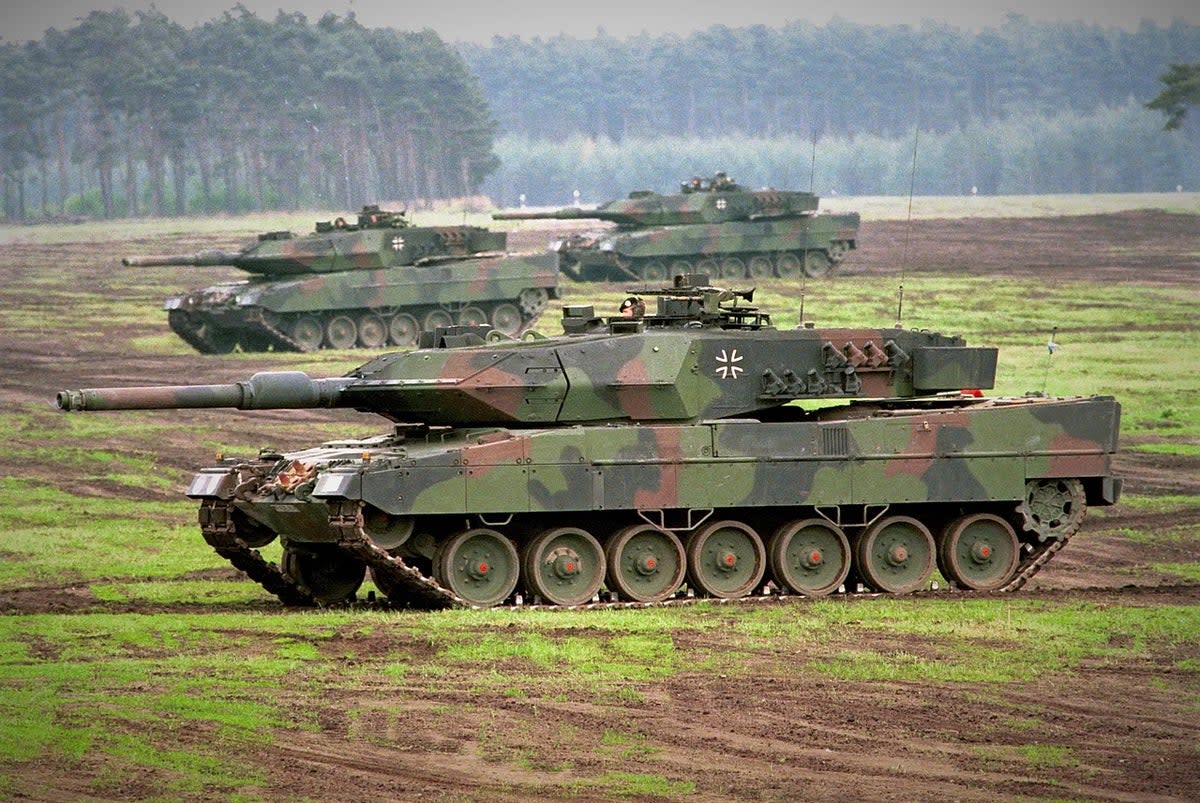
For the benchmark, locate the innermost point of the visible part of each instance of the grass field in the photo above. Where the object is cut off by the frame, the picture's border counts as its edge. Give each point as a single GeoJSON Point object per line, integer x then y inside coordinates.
{"type": "Point", "coordinates": [147, 669]}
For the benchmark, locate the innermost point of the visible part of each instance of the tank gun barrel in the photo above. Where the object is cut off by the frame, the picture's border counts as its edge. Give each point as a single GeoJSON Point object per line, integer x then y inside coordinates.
{"type": "Point", "coordinates": [568, 213]}
{"type": "Point", "coordinates": [203, 259]}
{"type": "Point", "coordinates": [268, 390]}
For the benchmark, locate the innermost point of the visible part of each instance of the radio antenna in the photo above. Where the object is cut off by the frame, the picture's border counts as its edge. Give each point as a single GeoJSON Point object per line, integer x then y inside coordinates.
{"type": "Point", "coordinates": [912, 183]}
{"type": "Point", "coordinates": [1051, 347]}
{"type": "Point", "coordinates": [812, 167]}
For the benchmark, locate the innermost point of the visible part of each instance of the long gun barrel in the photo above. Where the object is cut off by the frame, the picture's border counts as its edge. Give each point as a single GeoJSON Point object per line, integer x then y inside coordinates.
{"type": "Point", "coordinates": [569, 213]}
{"type": "Point", "coordinates": [268, 390]}
{"type": "Point", "coordinates": [203, 259]}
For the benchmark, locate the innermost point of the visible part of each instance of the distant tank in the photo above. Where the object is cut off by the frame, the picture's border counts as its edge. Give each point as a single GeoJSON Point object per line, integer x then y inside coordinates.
{"type": "Point", "coordinates": [366, 283]}
{"type": "Point", "coordinates": [636, 456]}
{"type": "Point", "coordinates": [716, 227]}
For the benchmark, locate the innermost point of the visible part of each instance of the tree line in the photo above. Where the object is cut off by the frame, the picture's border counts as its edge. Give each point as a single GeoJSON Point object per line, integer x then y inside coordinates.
{"type": "Point", "coordinates": [837, 79]}
{"type": "Point", "coordinates": [135, 115]}
{"type": "Point", "coordinates": [1123, 149]}
{"type": "Point", "coordinates": [124, 115]}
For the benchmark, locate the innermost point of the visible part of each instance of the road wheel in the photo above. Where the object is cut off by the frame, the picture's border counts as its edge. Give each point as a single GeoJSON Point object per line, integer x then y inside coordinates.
{"type": "Point", "coordinates": [436, 319]}
{"type": "Point", "coordinates": [331, 575]}
{"type": "Point", "coordinates": [506, 319]}
{"type": "Point", "coordinates": [372, 331]}
{"type": "Point", "coordinates": [307, 332]}
{"type": "Point", "coordinates": [480, 565]}
{"type": "Point", "coordinates": [403, 329]}
{"type": "Point", "coordinates": [645, 564]}
{"type": "Point", "coordinates": [564, 566]}
{"type": "Point", "coordinates": [733, 268]}
{"type": "Point", "coordinates": [788, 265]}
{"type": "Point", "coordinates": [978, 551]}
{"type": "Point", "coordinates": [472, 316]}
{"type": "Point", "coordinates": [816, 264]}
{"type": "Point", "coordinates": [760, 267]}
{"type": "Point", "coordinates": [655, 271]}
{"type": "Point", "coordinates": [895, 555]}
{"type": "Point", "coordinates": [726, 559]}
{"type": "Point", "coordinates": [340, 332]}
{"type": "Point", "coordinates": [809, 557]}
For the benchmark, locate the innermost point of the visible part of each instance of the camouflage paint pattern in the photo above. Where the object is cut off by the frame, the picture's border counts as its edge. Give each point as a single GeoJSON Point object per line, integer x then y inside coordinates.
{"type": "Point", "coordinates": [671, 420]}
{"type": "Point", "coordinates": [715, 227]}
{"type": "Point", "coordinates": [381, 277]}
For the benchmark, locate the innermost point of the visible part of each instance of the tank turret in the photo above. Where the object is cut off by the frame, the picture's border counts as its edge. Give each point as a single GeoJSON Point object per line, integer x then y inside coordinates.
{"type": "Point", "coordinates": [366, 282]}
{"type": "Point", "coordinates": [713, 226]}
{"type": "Point", "coordinates": [703, 353]}
{"type": "Point", "coordinates": [682, 443]}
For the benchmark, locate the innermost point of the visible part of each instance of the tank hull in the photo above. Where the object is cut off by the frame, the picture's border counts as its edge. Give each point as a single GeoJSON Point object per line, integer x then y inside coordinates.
{"type": "Point", "coordinates": [363, 307]}
{"type": "Point", "coordinates": [803, 245]}
{"type": "Point", "coordinates": [865, 472]}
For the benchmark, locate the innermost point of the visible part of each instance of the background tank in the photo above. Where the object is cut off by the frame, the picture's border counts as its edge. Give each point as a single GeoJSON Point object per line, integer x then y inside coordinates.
{"type": "Point", "coordinates": [712, 226]}
{"type": "Point", "coordinates": [369, 282]}
{"type": "Point", "coordinates": [631, 456]}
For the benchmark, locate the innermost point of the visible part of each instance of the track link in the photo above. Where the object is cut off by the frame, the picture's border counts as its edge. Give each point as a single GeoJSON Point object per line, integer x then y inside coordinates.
{"type": "Point", "coordinates": [219, 531]}
{"type": "Point", "coordinates": [409, 588]}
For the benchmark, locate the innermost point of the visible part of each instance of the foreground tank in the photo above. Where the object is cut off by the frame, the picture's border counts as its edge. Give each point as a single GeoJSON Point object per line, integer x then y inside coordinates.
{"type": "Point", "coordinates": [634, 457]}
{"type": "Point", "coordinates": [715, 227]}
{"type": "Point", "coordinates": [367, 283]}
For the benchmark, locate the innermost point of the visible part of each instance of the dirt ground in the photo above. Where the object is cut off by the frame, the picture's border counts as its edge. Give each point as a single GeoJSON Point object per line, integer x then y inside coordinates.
{"type": "Point", "coordinates": [759, 734]}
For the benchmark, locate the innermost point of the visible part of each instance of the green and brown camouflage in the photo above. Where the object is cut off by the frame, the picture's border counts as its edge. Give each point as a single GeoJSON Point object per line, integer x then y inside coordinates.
{"type": "Point", "coordinates": [369, 283]}
{"type": "Point", "coordinates": [716, 226]}
{"type": "Point", "coordinates": [628, 452]}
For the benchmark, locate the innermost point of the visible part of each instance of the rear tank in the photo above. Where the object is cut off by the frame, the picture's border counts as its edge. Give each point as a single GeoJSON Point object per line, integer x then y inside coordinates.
{"type": "Point", "coordinates": [713, 226]}
{"type": "Point", "coordinates": [691, 451]}
{"type": "Point", "coordinates": [368, 283]}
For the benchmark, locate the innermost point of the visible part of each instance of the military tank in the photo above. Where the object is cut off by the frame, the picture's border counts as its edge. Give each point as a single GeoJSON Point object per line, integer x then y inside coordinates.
{"type": "Point", "coordinates": [694, 450]}
{"type": "Point", "coordinates": [366, 283]}
{"type": "Point", "coordinates": [715, 226]}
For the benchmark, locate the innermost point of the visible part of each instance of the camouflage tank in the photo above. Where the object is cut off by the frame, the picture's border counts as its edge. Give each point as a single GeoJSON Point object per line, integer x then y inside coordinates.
{"type": "Point", "coordinates": [716, 227]}
{"type": "Point", "coordinates": [368, 283]}
{"type": "Point", "coordinates": [641, 458]}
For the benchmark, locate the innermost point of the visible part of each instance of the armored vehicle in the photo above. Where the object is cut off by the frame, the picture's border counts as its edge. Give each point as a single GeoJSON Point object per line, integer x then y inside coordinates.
{"type": "Point", "coordinates": [370, 282]}
{"type": "Point", "coordinates": [716, 227]}
{"type": "Point", "coordinates": [695, 450]}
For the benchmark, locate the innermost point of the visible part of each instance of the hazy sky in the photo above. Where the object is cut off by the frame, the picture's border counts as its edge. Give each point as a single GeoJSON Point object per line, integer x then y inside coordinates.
{"type": "Point", "coordinates": [475, 20]}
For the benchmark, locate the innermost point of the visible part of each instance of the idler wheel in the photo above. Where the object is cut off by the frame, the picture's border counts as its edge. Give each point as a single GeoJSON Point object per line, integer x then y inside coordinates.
{"type": "Point", "coordinates": [895, 555]}
{"type": "Point", "coordinates": [978, 551]}
{"type": "Point", "coordinates": [645, 564]}
{"type": "Point", "coordinates": [1053, 508]}
{"type": "Point", "coordinates": [563, 565]}
{"type": "Point", "coordinates": [331, 575]}
{"type": "Point", "coordinates": [479, 565]}
{"type": "Point", "coordinates": [810, 557]}
{"type": "Point", "coordinates": [726, 559]}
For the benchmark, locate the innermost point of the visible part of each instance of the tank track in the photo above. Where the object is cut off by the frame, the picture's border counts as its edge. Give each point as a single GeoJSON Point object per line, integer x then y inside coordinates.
{"type": "Point", "coordinates": [409, 588]}
{"type": "Point", "coordinates": [266, 336]}
{"type": "Point", "coordinates": [191, 331]}
{"type": "Point", "coordinates": [219, 531]}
